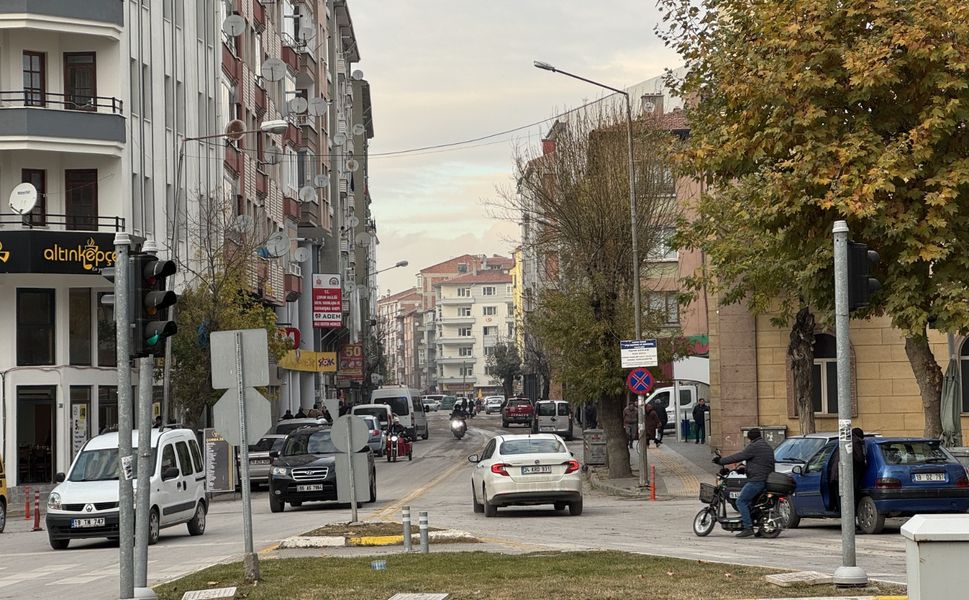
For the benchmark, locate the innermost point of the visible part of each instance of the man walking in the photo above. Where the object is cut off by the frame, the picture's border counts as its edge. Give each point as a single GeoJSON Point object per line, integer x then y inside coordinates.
{"type": "Point", "coordinates": [630, 418]}
{"type": "Point", "coordinates": [760, 463]}
{"type": "Point", "coordinates": [700, 418]}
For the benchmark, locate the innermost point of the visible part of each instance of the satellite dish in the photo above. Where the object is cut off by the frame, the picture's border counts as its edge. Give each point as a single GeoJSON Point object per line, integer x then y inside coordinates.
{"type": "Point", "coordinates": [306, 32]}
{"type": "Point", "coordinates": [357, 75]}
{"type": "Point", "coordinates": [352, 165]}
{"type": "Point", "coordinates": [353, 221]}
{"type": "Point", "coordinates": [317, 107]}
{"type": "Point", "coordinates": [307, 194]}
{"type": "Point", "coordinates": [234, 25]}
{"type": "Point", "coordinates": [23, 198]}
{"type": "Point", "coordinates": [339, 139]}
{"type": "Point", "coordinates": [244, 224]}
{"type": "Point", "coordinates": [277, 245]}
{"type": "Point", "coordinates": [359, 129]}
{"type": "Point", "coordinates": [235, 129]}
{"type": "Point", "coordinates": [322, 180]}
{"type": "Point", "coordinates": [301, 255]}
{"type": "Point", "coordinates": [297, 105]}
{"type": "Point", "coordinates": [363, 239]}
{"type": "Point", "coordinates": [273, 69]}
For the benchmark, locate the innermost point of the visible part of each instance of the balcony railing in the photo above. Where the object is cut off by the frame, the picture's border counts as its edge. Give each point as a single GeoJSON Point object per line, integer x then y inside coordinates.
{"type": "Point", "coordinates": [62, 221]}
{"type": "Point", "coordinates": [75, 101]}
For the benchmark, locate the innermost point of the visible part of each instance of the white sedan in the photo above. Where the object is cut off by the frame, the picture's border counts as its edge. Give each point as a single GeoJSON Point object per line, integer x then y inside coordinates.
{"type": "Point", "coordinates": [517, 470]}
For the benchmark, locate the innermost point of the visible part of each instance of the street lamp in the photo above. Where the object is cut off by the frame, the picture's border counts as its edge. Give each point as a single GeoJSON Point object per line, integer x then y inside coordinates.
{"type": "Point", "coordinates": [400, 263]}
{"type": "Point", "coordinates": [633, 226]}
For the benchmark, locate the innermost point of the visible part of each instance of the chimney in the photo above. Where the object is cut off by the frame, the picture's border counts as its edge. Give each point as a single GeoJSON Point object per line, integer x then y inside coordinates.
{"type": "Point", "coordinates": [652, 103]}
{"type": "Point", "coordinates": [548, 146]}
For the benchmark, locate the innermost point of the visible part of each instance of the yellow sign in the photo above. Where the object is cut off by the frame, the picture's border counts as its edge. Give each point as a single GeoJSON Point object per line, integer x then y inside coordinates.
{"type": "Point", "coordinates": [315, 362]}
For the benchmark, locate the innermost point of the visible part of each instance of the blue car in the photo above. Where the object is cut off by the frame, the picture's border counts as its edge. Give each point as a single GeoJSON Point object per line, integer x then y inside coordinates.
{"type": "Point", "coordinates": [904, 476]}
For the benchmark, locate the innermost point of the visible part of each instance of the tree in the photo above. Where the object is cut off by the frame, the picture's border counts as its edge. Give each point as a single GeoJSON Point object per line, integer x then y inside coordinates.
{"type": "Point", "coordinates": [506, 366]}
{"type": "Point", "coordinates": [805, 112]}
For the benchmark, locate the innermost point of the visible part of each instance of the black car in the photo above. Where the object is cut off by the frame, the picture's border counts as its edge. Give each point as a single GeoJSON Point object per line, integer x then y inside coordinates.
{"type": "Point", "coordinates": [305, 470]}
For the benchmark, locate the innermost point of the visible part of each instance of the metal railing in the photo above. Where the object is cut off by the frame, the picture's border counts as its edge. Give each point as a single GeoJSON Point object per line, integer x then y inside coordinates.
{"type": "Point", "coordinates": [74, 101]}
{"type": "Point", "coordinates": [63, 222]}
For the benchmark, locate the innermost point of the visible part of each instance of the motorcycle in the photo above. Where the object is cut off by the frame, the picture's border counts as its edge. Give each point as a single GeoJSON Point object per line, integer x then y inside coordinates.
{"type": "Point", "coordinates": [768, 510]}
{"type": "Point", "coordinates": [398, 446]}
{"type": "Point", "coordinates": [458, 427]}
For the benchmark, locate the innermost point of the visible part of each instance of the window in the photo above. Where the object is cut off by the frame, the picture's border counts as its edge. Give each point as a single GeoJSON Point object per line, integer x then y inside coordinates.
{"type": "Point", "coordinates": [464, 351]}
{"type": "Point", "coordinates": [464, 292]}
{"type": "Point", "coordinates": [35, 327]}
{"type": "Point", "coordinates": [491, 330]}
{"type": "Point", "coordinates": [511, 330]}
{"type": "Point", "coordinates": [490, 310]}
{"type": "Point", "coordinates": [824, 375]}
{"type": "Point", "coordinates": [168, 458]}
{"type": "Point", "coordinates": [467, 371]}
{"type": "Point", "coordinates": [38, 179]}
{"type": "Point", "coordinates": [464, 332]}
{"type": "Point", "coordinates": [107, 343]}
{"type": "Point", "coordinates": [818, 461]}
{"type": "Point", "coordinates": [184, 458]}
{"type": "Point", "coordinates": [79, 326]}
{"type": "Point", "coordinates": [665, 306]}
{"type": "Point", "coordinates": [462, 268]}
{"type": "Point", "coordinates": [107, 407]}
{"type": "Point", "coordinates": [81, 199]}
{"type": "Point", "coordinates": [489, 351]}
{"type": "Point", "coordinates": [80, 81]}
{"type": "Point", "coordinates": [464, 311]}
{"type": "Point", "coordinates": [35, 78]}
{"type": "Point", "coordinates": [488, 290]}
{"type": "Point", "coordinates": [662, 245]}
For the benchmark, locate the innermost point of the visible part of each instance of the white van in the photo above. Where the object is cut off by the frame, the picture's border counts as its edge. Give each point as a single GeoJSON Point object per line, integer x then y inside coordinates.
{"type": "Point", "coordinates": [382, 412]}
{"type": "Point", "coordinates": [85, 503]}
{"type": "Point", "coordinates": [689, 394]}
{"type": "Point", "coordinates": [554, 416]}
{"type": "Point", "coordinates": [406, 404]}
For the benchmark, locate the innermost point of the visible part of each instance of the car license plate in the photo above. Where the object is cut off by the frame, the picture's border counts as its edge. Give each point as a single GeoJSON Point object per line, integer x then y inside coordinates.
{"type": "Point", "coordinates": [930, 477]}
{"type": "Point", "coordinates": [734, 494]}
{"type": "Point", "coordinates": [314, 487]}
{"type": "Point", "coordinates": [79, 523]}
{"type": "Point", "coordinates": [546, 469]}
{"type": "Point", "coordinates": [259, 461]}
{"type": "Point", "coordinates": [548, 427]}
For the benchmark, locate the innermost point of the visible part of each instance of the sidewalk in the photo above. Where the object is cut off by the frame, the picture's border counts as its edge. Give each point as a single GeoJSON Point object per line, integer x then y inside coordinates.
{"type": "Point", "coordinates": [680, 466]}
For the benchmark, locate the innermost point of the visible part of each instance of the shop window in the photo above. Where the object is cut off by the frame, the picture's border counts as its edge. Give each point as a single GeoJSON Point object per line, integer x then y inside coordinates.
{"type": "Point", "coordinates": [107, 408]}
{"type": "Point", "coordinates": [80, 417]}
{"type": "Point", "coordinates": [35, 327]}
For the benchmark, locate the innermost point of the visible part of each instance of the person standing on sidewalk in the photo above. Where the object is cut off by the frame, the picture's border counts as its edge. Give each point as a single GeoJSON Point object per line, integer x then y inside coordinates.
{"type": "Point", "coordinates": [630, 418]}
{"type": "Point", "coordinates": [760, 463]}
{"type": "Point", "coordinates": [700, 418]}
{"type": "Point", "coordinates": [652, 425]}
{"type": "Point", "coordinates": [664, 418]}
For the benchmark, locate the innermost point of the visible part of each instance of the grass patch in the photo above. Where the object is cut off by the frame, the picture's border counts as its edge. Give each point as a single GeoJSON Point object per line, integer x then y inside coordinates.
{"type": "Point", "coordinates": [480, 575]}
{"type": "Point", "coordinates": [364, 529]}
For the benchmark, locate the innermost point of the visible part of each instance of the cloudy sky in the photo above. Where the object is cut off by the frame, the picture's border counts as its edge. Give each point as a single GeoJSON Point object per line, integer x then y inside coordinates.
{"type": "Point", "coordinates": [450, 70]}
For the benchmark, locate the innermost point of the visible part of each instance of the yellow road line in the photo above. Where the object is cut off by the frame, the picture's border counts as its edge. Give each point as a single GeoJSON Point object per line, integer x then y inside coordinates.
{"type": "Point", "coordinates": [269, 548]}
{"type": "Point", "coordinates": [392, 509]}
{"type": "Point", "coordinates": [375, 540]}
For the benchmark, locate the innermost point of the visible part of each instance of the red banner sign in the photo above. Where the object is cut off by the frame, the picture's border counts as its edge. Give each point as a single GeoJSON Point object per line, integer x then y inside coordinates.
{"type": "Point", "coordinates": [327, 300]}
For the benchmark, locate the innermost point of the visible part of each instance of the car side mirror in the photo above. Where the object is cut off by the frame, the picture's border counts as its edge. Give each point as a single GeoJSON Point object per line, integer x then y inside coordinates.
{"type": "Point", "coordinates": [59, 478]}
{"type": "Point", "coordinates": [474, 458]}
{"type": "Point", "coordinates": [169, 473]}
{"type": "Point", "coordinates": [274, 454]}
{"type": "Point", "coordinates": [797, 470]}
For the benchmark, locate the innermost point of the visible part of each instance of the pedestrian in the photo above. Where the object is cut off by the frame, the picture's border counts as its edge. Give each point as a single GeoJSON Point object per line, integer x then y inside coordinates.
{"type": "Point", "coordinates": [287, 415]}
{"type": "Point", "coordinates": [158, 423]}
{"type": "Point", "coordinates": [664, 419]}
{"type": "Point", "coordinates": [700, 418]}
{"type": "Point", "coordinates": [300, 414]}
{"type": "Point", "coordinates": [652, 425]}
{"type": "Point", "coordinates": [591, 420]}
{"type": "Point", "coordinates": [313, 413]}
{"type": "Point", "coordinates": [760, 463]}
{"type": "Point", "coordinates": [859, 463]}
{"type": "Point", "coordinates": [630, 419]}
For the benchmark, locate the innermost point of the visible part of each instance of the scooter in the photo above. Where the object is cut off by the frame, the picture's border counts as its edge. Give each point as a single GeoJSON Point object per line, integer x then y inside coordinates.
{"type": "Point", "coordinates": [398, 446]}
{"type": "Point", "coordinates": [458, 427]}
{"type": "Point", "coordinates": [767, 510]}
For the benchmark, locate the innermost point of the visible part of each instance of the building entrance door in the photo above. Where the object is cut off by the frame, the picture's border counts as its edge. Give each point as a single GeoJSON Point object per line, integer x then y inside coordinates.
{"type": "Point", "coordinates": [36, 437]}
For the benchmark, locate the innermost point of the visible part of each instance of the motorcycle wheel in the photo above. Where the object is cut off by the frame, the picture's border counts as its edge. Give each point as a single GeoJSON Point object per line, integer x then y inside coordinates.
{"type": "Point", "coordinates": [703, 522]}
{"type": "Point", "coordinates": [770, 532]}
{"type": "Point", "coordinates": [788, 515]}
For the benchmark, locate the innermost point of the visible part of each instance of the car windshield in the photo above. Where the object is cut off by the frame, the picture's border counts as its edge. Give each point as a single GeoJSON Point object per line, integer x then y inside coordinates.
{"type": "Point", "coordinates": [378, 412]}
{"type": "Point", "coordinates": [310, 442]}
{"type": "Point", "coordinates": [267, 444]}
{"type": "Point", "coordinates": [398, 405]}
{"type": "Point", "coordinates": [546, 409]}
{"type": "Point", "coordinates": [518, 402]}
{"type": "Point", "coordinates": [798, 450]}
{"type": "Point", "coordinates": [914, 452]}
{"type": "Point", "coordinates": [531, 446]}
{"type": "Point", "coordinates": [102, 465]}
{"type": "Point", "coordinates": [371, 422]}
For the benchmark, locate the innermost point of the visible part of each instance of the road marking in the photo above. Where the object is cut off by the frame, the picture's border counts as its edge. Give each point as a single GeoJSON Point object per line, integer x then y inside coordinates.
{"type": "Point", "coordinates": [392, 509]}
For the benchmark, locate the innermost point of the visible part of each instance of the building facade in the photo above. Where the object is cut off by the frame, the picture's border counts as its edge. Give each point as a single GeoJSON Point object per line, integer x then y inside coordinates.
{"type": "Point", "coordinates": [391, 332]}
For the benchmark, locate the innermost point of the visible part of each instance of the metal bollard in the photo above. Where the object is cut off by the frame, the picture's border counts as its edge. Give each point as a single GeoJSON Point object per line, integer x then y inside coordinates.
{"type": "Point", "coordinates": [37, 511]}
{"type": "Point", "coordinates": [405, 518]}
{"type": "Point", "coordinates": [422, 523]}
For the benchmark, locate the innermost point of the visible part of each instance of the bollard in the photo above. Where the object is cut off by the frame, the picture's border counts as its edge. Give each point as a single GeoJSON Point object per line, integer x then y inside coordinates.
{"type": "Point", "coordinates": [405, 518]}
{"type": "Point", "coordinates": [37, 526]}
{"type": "Point", "coordinates": [27, 503]}
{"type": "Point", "coordinates": [422, 523]}
{"type": "Point", "coordinates": [652, 483]}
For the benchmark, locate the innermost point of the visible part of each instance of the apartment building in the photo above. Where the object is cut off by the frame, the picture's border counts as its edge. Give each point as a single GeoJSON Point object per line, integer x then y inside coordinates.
{"type": "Point", "coordinates": [391, 310]}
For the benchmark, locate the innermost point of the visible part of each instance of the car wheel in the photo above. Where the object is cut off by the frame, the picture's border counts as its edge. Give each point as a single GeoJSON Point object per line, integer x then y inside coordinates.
{"type": "Point", "coordinates": [477, 506]}
{"type": "Point", "coordinates": [703, 522]}
{"type": "Point", "coordinates": [197, 525]}
{"type": "Point", "coordinates": [373, 486]}
{"type": "Point", "coordinates": [561, 505]}
{"type": "Point", "coordinates": [3, 515]}
{"type": "Point", "coordinates": [154, 527]}
{"type": "Point", "coordinates": [490, 510]}
{"type": "Point", "coordinates": [276, 505]}
{"type": "Point", "coordinates": [575, 508]}
{"type": "Point", "coordinates": [869, 519]}
{"type": "Point", "coordinates": [425, 435]}
{"type": "Point", "coordinates": [58, 544]}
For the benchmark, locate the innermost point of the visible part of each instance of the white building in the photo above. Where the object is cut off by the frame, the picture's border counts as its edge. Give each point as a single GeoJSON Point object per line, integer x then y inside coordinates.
{"type": "Point", "coordinates": [474, 313]}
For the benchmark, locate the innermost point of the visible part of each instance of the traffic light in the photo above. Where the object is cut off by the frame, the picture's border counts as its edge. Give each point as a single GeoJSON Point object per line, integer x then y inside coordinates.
{"type": "Point", "coordinates": [861, 285]}
{"type": "Point", "coordinates": [149, 300]}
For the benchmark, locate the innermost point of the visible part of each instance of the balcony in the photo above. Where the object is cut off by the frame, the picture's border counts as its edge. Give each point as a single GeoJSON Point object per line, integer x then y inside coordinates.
{"type": "Point", "coordinates": [290, 57]}
{"type": "Point", "coordinates": [469, 320]}
{"type": "Point", "coordinates": [90, 17]}
{"type": "Point", "coordinates": [231, 64]}
{"type": "Point", "coordinates": [259, 15]}
{"type": "Point", "coordinates": [456, 360]}
{"type": "Point", "coordinates": [69, 222]}
{"type": "Point", "coordinates": [233, 159]}
{"type": "Point", "coordinates": [290, 208]}
{"type": "Point", "coordinates": [260, 97]}
{"type": "Point", "coordinates": [291, 135]}
{"type": "Point", "coordinates": [455, 340]}
{"type": "Point", "coordinates": [455, 301]}
{"type": "Point", "coordinates": [293, 284]}
{"type": "Point", "coordinates": [262, 184]}
{"type": "Point", "coordinates": [34, 120]}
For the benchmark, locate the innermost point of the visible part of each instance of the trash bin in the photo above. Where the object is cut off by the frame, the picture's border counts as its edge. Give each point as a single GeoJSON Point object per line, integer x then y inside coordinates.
{"type": "Point", "coordinates": [935, 551]}
{"type": "Point", "coordinates": [594, 447]}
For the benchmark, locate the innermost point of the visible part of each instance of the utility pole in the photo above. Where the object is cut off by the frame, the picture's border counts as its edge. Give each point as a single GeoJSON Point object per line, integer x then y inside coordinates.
{"type": "Point", "coordinates": [122, 324]}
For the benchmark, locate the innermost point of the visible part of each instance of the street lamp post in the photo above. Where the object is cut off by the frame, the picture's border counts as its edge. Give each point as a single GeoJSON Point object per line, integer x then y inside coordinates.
{"type": "Point", "coordinates": [400, 263]}
{"type": "Point", "coordinates": [643, 464]}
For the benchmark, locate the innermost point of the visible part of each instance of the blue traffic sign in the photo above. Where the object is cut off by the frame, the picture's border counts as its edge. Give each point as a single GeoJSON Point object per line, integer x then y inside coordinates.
{"type": "Point", "coordinates": [639, 381]}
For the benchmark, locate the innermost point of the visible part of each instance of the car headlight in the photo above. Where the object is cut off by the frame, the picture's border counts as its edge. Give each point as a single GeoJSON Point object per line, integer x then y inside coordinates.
{"type": "Point", "coordinates": [280, 471]}
{"type": "Point", "coordinates": [54, 501]}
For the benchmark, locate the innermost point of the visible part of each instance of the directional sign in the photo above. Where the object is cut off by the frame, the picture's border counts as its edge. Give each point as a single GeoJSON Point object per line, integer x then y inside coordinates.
{"type": "Point", "coordinates": [225, 416]}
{"type": "Point", "coordinates": [639, 381]}
{"type": "Point", "coordinates": [638, 353]}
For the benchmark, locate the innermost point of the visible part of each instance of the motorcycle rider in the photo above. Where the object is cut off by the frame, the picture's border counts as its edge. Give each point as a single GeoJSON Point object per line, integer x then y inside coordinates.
{"type": "Point", "coordinates": [458, 412]}
{"type": "Point", "coordinates": [760, 463]}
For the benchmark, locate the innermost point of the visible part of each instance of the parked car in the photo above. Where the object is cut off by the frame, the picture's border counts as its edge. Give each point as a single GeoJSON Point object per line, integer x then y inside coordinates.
{"type": "Point", "coordinates": [3, 496]}
{"type": "Point", "coordinates": [798, 449]}
{"type": "Point", "coordinates": [305, 470]}
{"type": "Point", "coordinates": [378, 436]}
{"type": "Point", "coordinates": [382, 412]}
{"type": "Point", "coordinates": [904, 476]}
{"type": "Point", "coordinates": [85, 502]}
{"type": "Point", "coordinates": [259, 458]}
{"type": "Point", "coordinates": [432, 403]}
{"type": "Point", "coordinates": [493, 404]}
{"type": "Point", "coordinates": [525, 470]}
{"type": "Point", "coordinates": [447, 403]}
{"type": "Point", "coordinates": [518, 410]}
{"type": "Point", "coordinates": [553, 416]}
{"type": "Point", "coordinates": [286, 426]}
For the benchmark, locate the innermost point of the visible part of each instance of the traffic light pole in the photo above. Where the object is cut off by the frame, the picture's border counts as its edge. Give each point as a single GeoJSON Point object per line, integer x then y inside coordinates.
{"type": "Point", "coordinates": [125, 493]}
{"type": "Point", "coordinates": [142, 499]}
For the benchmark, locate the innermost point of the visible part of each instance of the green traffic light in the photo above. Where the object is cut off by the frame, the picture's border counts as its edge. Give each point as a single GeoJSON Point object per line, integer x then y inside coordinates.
{"type": "Point", "coordinates": [153, 339]}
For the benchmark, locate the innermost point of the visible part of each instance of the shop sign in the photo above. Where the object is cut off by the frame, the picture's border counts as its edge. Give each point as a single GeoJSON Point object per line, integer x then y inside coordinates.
{"type": "Point", "coordinates": [62, 252]}
{"type": "Point", "coordinates": [305, 360]}
{"type": "Point", "coordinates": [351, 364]}
{"type": "Point", "coordinates": [327, 300]}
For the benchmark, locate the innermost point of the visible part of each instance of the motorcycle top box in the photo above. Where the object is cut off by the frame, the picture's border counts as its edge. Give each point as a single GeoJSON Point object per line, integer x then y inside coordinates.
{"type": "Point", "coordinates": [780, 483]}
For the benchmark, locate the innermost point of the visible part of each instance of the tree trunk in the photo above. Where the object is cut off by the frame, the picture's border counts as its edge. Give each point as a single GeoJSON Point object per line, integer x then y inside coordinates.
{"type": "Point", "coordinates": [928, 375]}
{"type": "Point", "coordinates": [610, 419]}
{"type": "Point", "coordinates": [801, 352]}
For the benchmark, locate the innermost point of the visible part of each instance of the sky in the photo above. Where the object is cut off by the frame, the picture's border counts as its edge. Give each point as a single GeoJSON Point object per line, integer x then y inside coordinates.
{"type": "Point", "coordinates": [443, 71]}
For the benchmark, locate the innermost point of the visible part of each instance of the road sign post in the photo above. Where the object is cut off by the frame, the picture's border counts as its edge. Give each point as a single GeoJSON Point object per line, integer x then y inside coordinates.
{"type": "Point", "coordinates": [349, 434]}
{"type": "Point", "coordinates": [640, 382]}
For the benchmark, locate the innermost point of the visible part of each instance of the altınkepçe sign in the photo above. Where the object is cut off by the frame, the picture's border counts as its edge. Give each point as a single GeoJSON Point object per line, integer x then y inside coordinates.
{"type": "Point", "coordinates": [327, 300]}
{"type": "Point", "coordinates": [63, 252]}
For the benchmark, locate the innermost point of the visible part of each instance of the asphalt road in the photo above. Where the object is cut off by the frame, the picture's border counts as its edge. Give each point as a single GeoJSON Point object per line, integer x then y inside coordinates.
{"type": "Point", "coordinates": [437, 481]}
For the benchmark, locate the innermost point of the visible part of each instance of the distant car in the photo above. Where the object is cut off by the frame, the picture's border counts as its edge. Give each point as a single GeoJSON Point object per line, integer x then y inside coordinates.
{"type": "Point", "coordinates": [525, 470]}
{"type": "Point", "coordinates": [493, 404]}
{"type": "Point", "coordinates": [431, 403]}
{"type": "Point", "coordinates": [378, 436]}
{"type": "Point", "coordinates": [553, 416]}
{"type": "Point", "coordinates": [259, 458]}
{"type": "Point", "coordinates": [798, 449]}
{"type": "Point", "coordinates": [904, 476]}
{"type": "Point", "coordinates": [447, 403]}
{"type": "Point", "coordinates": [305, 470]}
{"type": "Point", "coordinates": [518, 410]}
{"type": "Point", "coordinates": [286, 426]}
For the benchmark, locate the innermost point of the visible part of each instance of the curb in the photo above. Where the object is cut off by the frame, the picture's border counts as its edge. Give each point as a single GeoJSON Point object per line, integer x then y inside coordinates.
{"type": "Point", "coordinates": [614, 490]}
{"type": "Point", "coordinates": [302, 541]}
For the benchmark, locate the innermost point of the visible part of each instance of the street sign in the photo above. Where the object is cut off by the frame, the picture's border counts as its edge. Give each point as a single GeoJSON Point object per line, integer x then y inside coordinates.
{"type": "Point", "coordinates": [638, 353]}
{"type": "Point", "coordinates": [345, 425]}
{"type": "Point", "coordinates": [255, 359]}
{"type": "Point", "coordinates": [225, 416]}
{"type": "Point", "coordinates": [639, 381]}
